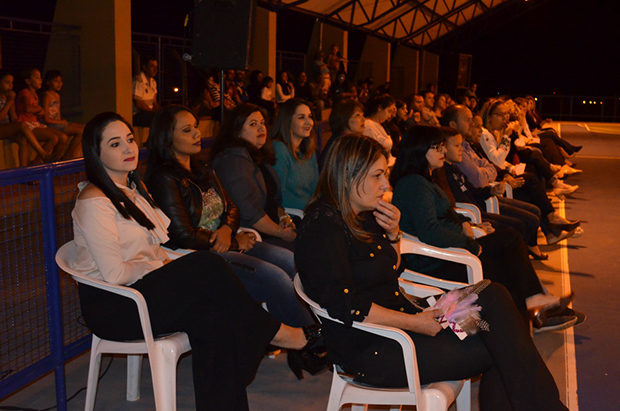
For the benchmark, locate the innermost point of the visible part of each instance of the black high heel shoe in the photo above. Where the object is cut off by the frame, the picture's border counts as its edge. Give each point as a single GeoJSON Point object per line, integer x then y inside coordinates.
{"type": "Point", "coordinates": [311, 358]}
{"type": "Point", "coordinates": [556, 229]}
{"type": "Point", "coordinates": [541, 315]}
{"type": "Point", "coordinates": [539, 257]}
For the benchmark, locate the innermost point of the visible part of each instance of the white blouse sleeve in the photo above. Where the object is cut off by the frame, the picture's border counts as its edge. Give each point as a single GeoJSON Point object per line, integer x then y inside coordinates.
{"type": "Point", "coordinates": [496, 153]}
{"type": "Point", "coordinates": [123, 251]}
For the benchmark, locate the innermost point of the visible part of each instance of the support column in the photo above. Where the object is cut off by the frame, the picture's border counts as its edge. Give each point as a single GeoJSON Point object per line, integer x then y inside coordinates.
{"type": "Point", "coordinates": [105, 54]}
{"type": "Point", "coordinates": [263, 47]}
{"type": "Point", "coordinates": [404, 76]}
{"type": "Point", "coordinates": [376, 60]}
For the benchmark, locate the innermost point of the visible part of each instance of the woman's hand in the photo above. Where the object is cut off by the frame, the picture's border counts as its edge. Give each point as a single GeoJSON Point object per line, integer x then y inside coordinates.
{"type": "Point", "coordinates": [426, 324]}
{"type": "Point", "coordinates": [468, 231]}
{"type": "Point", "coordinates": [388, 217]}
{"type": "Point", "coordinates": [514, 182]}
{"type": "Point", "coordinates": [288, 234]}
{"type": "Point", "coordinates": [286, 222]}
{"type": "Point", "coordinates": [486, 227]}
{"type": "Point", "coordinates": [514, 126]}
{"type": "Point", "coordinates": [246, 240]}
{"type": "Point", "coordinates": [10, 96]}
{"type": "Point", "coordinates": [221, 239]}
{"type": "Point", "coordinates": [498, 189]}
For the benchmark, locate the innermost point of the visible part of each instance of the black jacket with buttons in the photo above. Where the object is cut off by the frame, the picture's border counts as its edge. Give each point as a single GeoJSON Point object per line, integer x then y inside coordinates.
{"type": "Point", "coordinates": [178, 193]}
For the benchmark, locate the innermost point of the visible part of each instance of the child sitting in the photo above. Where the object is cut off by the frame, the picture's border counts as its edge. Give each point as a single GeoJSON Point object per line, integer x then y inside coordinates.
{"type": "Point", "coordinates": [27, 108]}
{"type": "Point", "coordinates": [15, 130]}
{"type": "Point", "coordinates": [50, 100]}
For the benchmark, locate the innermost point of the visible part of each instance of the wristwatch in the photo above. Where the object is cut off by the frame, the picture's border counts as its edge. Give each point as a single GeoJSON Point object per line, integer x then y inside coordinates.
{"type": "Point", "coordinates": [399, 236]}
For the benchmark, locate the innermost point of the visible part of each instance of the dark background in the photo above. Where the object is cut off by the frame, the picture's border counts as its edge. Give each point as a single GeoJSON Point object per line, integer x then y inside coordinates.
{"type": "Point", "coordinates": [569, 47]}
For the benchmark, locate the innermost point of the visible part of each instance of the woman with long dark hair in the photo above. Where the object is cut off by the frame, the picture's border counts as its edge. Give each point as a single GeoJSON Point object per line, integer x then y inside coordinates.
{"type": "Point", "coordinates": [203, 217]}
{"type": "Point", "coordinates": [428, 214]}
{"type": "Point", "coordinates": [243, 158]}
{"type": "Point", "coordinates": [118, 233]}
{"type": "Point", "coordinates": [348, 257]}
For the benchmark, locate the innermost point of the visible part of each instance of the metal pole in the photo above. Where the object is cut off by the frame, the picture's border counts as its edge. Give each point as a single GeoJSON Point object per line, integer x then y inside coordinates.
{"type": "Point", "coordinates": [48, 217]}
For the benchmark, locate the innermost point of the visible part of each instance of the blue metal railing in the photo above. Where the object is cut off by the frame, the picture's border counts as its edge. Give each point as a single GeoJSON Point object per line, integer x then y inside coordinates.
{"type": "Point", "coordinates": [40, 323]}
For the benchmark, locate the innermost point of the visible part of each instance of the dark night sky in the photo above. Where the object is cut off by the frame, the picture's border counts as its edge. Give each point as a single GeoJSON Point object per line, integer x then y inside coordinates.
{"type": "Point", "coordinates": [566, 46]}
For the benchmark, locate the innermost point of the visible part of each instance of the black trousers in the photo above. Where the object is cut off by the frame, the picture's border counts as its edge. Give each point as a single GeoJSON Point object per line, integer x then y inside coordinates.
{"type": "Point", "coordinates": [199, 295]}
{"type": "Point", "coordinates": [536, 162]}
{"type": "Point", "coordinates": [533, 192]}
{"type": "Point", "coordinates": [504, 260]}
{"type": "Point", "coordinates": [551, 134]}
{"type": "Point", "coordinates": [514, 376]}
{"type": "Point", "coordinates": [527, 213]}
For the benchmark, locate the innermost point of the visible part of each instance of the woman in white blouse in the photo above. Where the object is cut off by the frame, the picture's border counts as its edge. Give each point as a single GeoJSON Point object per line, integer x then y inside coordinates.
{"type": "Point", "coordinates": [380, 109]}
{"type": "Point", "coordinates": [119, 231]}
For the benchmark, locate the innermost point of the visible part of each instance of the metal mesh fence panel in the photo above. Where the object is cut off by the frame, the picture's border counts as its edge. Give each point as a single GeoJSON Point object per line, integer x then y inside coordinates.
{"type": "Point", "coordinates": [65, 192]}
{"type": "Point", "coordinates": [24, 333]}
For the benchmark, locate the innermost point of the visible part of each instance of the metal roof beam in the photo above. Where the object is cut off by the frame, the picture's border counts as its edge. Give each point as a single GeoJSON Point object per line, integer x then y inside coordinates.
{"type": "Point", "coordinates": [440, 20]}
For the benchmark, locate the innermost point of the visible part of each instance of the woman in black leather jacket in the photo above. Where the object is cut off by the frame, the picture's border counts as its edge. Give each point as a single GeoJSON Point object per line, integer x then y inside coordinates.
{"type": "Point", "coordinates": [204, 217]}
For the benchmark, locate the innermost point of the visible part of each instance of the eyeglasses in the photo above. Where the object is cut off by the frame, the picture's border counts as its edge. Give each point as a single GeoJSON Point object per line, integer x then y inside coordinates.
{"type": "Point", "coordinates": [500, 114]}
{"type": "Point", "coordinates": [439, 147]}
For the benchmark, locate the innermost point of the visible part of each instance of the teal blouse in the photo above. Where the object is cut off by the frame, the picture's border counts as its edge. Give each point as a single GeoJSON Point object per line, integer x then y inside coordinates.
{"type": "Point", "coordinates": [298, 179]}
{"type": "Point", "coordinates": [426, 213]}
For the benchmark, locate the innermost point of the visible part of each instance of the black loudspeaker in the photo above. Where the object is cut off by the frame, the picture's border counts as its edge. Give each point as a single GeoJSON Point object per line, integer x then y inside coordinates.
{"type": "Point", "coordinates": [222, 33]}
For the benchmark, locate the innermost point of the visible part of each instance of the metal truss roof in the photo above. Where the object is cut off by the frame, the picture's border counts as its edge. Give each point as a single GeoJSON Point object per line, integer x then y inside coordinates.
{"type": "Point", "coordinates": [414, 22]}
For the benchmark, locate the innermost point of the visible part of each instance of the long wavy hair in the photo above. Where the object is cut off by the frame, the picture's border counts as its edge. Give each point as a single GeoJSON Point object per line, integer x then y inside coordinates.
{"type": "Point", "coordinates": [97, 174]}
{"type": "Point", "coordinates": [345, 168]}
{"type": "Point", "coordinates": [229, 135]}
{"type": "Point", "coordinates": [412, 155]}
{"type": "Point", "coordinates": [282, 131]}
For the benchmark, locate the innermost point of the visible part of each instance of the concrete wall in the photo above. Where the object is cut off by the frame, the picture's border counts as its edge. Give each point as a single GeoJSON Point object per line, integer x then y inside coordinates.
{"type": "Point", "coordinates": [404, 72]}
{"type": "Point", "coordinates": [377, 53]}
{"type": "Point", "coordinates": [429, 70]}
{"type": "Point", "coordinates": [105, 53]}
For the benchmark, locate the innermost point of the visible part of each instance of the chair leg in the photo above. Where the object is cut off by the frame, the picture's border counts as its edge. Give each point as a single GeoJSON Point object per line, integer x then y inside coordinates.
{"type": "Point", "coordinates": [335, 393]}
{"type": "Point", "coordinates": [93, 374]}
{"type": "Point", "coordinates": [134, 374]}
{"type": "Point", "coordinates": [164, 373]}
{"type": "Point", "coordinates": [463, 401]}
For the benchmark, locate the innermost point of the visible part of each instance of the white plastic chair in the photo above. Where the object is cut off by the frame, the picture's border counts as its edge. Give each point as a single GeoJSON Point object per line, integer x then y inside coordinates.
{"type": "Point", "coordinates": [411, 244]}
{"type": "Point", "coordinates": [431, 397]}
{"type": "Point", "coordinates": [163, 352]}
{"type": "Point", "coordinates": [294, 212]}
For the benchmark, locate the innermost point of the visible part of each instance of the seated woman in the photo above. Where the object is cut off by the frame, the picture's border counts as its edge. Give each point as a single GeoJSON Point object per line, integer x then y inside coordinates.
{"type": "Point", "coordinates": [348, 259]}
{"type": "Point", "coordinates": [427, 213]}
{"type": "Point", "coordinates": [378, 110]}
{"type": "Point", "coordinates": [441, 103]}
{"type": "Point", "coordinates": [295, 146]}
{"type": "Point", "coordinates": [549, 138]}
{"type": "Point", "coordinates": [118, 233]}
{"type": "Point", "coordinates": [498, 143]}
{"type": "Point", "coordinates": [284, 88]}
{"type": "Point", "coordinates": [347, 117]}
{"type": "Point", "coordinates": [243, 158]}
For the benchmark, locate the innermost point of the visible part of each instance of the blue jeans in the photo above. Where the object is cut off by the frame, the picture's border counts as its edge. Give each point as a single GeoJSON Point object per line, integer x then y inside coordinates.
{"type": "Point", "coordinates": [267, 271]}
